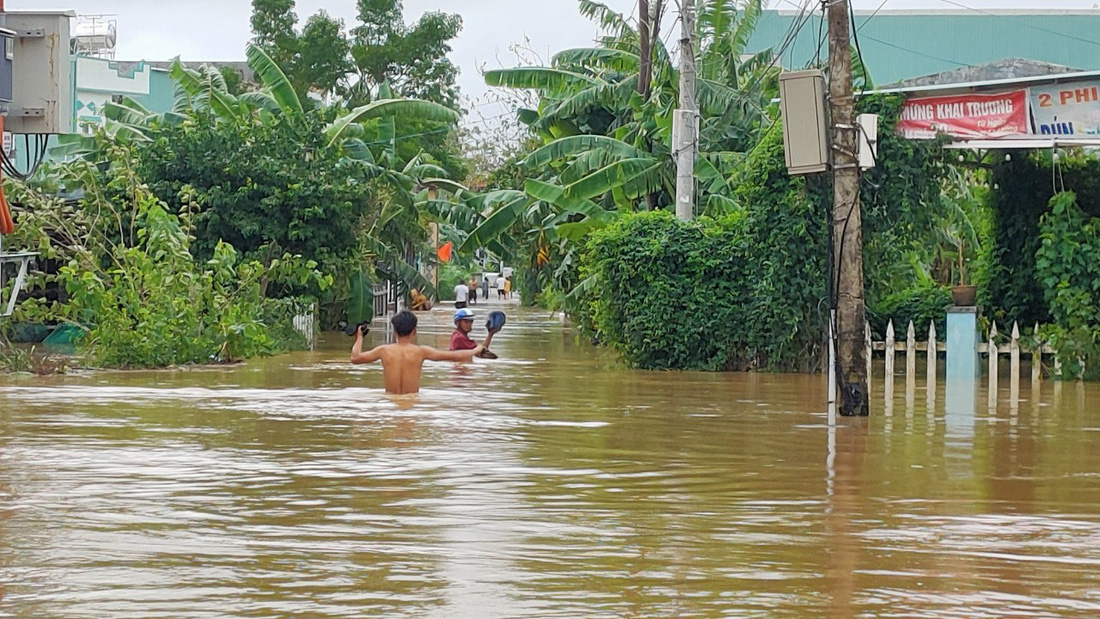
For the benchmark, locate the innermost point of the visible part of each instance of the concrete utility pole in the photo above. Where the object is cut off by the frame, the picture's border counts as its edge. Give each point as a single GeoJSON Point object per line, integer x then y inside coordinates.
{"type": "Point", "coordinates": [645, 54]}
{"type": "Point", "coordinates": [847, 235]}
{"type": "Point", "coordinates": [685, 143]}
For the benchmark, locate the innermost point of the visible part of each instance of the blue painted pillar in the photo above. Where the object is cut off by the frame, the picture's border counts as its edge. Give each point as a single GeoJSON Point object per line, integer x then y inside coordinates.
{"type": "Point", "coordinates": [962, 343]}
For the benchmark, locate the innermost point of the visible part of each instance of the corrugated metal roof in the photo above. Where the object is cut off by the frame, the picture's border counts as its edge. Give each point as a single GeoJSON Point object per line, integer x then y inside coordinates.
{"type": "Point", "coordinates": [898, 45]}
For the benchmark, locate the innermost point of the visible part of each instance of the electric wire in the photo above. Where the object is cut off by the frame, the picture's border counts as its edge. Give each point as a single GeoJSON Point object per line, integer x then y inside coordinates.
{"type": "Point", "coordinates": [859, 50]}
{"type": "Point", "coordinates": [1023, 23]}
{"type": "Point", "coordinates": [915, 52]}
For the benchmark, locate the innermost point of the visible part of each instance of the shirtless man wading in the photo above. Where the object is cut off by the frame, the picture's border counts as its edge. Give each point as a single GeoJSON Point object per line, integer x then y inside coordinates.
{"type": "Point", "coordinates": [401, 362]}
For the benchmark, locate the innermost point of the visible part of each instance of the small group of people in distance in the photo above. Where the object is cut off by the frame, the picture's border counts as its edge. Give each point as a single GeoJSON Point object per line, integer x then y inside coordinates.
{"type": "Point", "coordinates": [466, 293]}
{"type": "Point", "coordinates": [403, 361]}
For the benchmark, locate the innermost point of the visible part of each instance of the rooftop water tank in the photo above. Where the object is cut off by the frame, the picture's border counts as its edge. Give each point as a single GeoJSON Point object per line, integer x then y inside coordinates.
{"type": "Point", "coordinates": [94, 36]}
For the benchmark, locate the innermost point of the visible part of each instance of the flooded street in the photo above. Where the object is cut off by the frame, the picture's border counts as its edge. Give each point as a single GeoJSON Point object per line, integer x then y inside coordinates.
{"type": "Point", "coordinates": [552, 482]}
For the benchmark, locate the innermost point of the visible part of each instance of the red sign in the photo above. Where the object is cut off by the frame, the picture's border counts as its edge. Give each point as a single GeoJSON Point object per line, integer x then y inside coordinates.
{"type": "Point", "coordinates": [965, 116]}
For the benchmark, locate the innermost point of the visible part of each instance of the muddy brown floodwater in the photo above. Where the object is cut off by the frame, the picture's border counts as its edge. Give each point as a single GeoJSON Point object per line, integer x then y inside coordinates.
{"type": "Point", "coordinates": [552, 482]}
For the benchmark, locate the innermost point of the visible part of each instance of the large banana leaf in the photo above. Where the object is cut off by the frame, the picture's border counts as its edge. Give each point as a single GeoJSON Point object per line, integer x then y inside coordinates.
{"type": "Point", "coordinates": [579, 144]}
{"type": "Point", "coordinates": [391, 262]}
{"type": "Point", "coordinates": [577, 230]}
{"type": "Point", "coordinates": [397, 108]}
{"type": "Point", "coordinates": [260, 101]}
{"type": "Point", "coordinates": [457, 214]}
{"type": "Point", "coordinates": [495, 224]}
{"type": "Point", "coordinates": [650, 180]}
{"type": "Point", "coordinates": [610, 176]}
{"type": "Point", "coordinates": [357, 149]}
{"type": "Point", "coordinates": [544, 78]}
{"type": "Point", "coordinates": [446, 184]}
{"type": "Point", "coordinates": [608, 19]}
{"type": "Point", "coordinates": [360, 298]}
{"type": "Point", "coordinates": [615, 59]}
{"type": "Point", "coordinates": [274, 79]}
{"type": "Point", "coordinates": [584, 164]}
{"type": "Point", "coordinates": [73, 145]}
{"type": "Point", "coordinates": [486, 203]}
{"type": "Point", "coordinates": [207, 87]}
{"type": "Point", "coordinates": [611, 95]}
{"type": "Point", "coordinates": [127, 115]}
{"type": "Point", "coordinates": [560, 197]}
{"type": "Point", "coordinates": [709, 176]}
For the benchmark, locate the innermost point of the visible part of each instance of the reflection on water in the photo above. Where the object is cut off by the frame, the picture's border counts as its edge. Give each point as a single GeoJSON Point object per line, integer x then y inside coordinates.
{"type": "Point", "coordinates": [549, 483]}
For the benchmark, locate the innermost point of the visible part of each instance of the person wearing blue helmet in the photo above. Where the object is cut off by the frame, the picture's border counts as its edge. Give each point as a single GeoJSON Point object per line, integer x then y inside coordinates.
{"type": "Point", "coordinates": [460, 339]}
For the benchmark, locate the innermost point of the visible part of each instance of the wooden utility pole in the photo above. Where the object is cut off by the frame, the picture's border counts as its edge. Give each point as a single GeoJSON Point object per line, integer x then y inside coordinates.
{"type": "Point", "coordinates": [847, 235]}
{"type": "Point", "coordinates": [685, 143]}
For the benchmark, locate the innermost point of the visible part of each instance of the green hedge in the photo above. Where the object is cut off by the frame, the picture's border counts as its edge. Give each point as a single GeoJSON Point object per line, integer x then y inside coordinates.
{"type": "Point", "coordinates": [671, 294]}
{"type": "Point", "coordinates": [751, 291]}
{"type": "Point", "coordinates": [921, 305]}
{"type": "Point", "coordinates": [1023, 188]}
{"type": "Point", "coordinates": [1067, 265]}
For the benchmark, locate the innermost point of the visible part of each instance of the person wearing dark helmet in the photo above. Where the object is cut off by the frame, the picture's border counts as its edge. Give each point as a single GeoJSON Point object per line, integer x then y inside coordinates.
{"type": "Point", "coordinates": [460, 339]}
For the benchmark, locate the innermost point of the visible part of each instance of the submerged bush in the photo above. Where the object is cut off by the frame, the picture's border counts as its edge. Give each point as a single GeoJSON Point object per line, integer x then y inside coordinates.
{"type": "Point", "coordinates": [129, 281]}
{"type": "Point", "coordinates": [673, 294]}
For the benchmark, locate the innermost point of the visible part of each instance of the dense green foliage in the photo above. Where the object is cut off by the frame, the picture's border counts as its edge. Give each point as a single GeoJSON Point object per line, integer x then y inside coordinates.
{"type": "Point", "coordinates": [666, 291]}
{"type": "Point", "coordinates": [1067, 265]}
{"type": "Point", "coordinates": [1024, 186]}
{"type": "Point", "coordinates": [379, 57]}
{"type": "Point", "coordinates": [671, 294]}
{"type": "Point", "coordinates": [756, 282]}
{"type": "Point", "coordinates": [265, 188]}
{"type": "Point", "coordinates": [129, 280]}
{"type": "Point", "coordinates": [921, 305]}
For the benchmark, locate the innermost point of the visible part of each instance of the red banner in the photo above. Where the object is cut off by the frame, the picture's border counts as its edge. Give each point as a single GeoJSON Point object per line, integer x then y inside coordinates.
{"type": "Point", "coordinates": [965, 116]}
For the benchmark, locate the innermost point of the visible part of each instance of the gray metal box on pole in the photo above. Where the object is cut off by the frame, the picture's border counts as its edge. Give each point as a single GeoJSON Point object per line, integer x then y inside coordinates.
{"type": "Point", "coordinates": [7, 47]}
{"type": "Point", "coordinates": [802, 104]}
{"type": "Point", "coordinates": [42, 98]}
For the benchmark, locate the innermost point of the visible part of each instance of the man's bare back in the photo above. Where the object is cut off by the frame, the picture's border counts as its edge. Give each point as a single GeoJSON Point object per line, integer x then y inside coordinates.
{"type": "Point", "coordinates": [403, 361]}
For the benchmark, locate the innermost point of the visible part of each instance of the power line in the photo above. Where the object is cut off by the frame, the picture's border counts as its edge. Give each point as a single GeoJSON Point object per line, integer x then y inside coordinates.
{"type": "Point", "coordinates": [872, 14]}
{"type": "Point", "coordinates": [1023, 23]}
{"type": "Point", "coordinates": [913, 51]}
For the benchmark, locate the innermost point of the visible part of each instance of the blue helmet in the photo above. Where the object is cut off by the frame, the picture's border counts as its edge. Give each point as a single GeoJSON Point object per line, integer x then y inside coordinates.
{"type": "Point", "coordinates": [464, 314]}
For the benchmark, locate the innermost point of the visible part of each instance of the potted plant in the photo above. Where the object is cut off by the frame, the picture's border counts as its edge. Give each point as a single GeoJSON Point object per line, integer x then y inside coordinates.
{"type": "Point", "coordinates": [962, 293]}
{"type": "Point", "coordinates": [958, 237]}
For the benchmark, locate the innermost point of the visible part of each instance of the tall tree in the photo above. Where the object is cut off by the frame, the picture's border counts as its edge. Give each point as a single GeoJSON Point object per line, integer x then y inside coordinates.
{"type": "Point", "coordinates": [324, 58]}
{"type": "Point", "coordinates": [273, 24]}
{"type": "Point", "coordinates": [411, 58]}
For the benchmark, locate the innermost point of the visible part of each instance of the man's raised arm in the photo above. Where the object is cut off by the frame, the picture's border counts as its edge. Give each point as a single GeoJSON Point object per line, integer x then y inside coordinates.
{"type": "Point", "coordinates": [433, 354]}
{"type": "Point", "coordinates": [357, 354]}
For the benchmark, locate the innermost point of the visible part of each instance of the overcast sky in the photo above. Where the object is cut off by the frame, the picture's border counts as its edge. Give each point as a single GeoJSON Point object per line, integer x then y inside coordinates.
{"type": "Point", "coordinates": [218, 29]}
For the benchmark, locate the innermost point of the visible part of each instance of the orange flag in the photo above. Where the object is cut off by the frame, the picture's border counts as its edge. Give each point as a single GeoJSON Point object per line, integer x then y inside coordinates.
{"type": "Point", "coordinates": [7, 226]}
{"type": "Point", "coordinates": [444, 252]}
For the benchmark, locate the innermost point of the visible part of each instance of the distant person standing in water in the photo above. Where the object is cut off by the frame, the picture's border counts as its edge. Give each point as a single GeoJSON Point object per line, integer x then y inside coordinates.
{"type": "Point", "coordinates": [403, 361]}
{"type": "Point", "coordinates": [473, 290]}
{"type": "Point", "coordinates": [485, 287]}
{"type": "Point", "coordinates": [462, 293]}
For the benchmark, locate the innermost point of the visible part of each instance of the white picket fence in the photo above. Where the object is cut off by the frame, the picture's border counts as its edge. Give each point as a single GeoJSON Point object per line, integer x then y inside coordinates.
{"type": "Point", "coordinates": [1015, 349]}
{"type": "Point", "coordinates": [305, 321]}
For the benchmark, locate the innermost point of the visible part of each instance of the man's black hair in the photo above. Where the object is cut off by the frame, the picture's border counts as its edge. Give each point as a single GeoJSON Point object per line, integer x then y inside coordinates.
{"type": "Point", "coordinates": [404, 323]}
